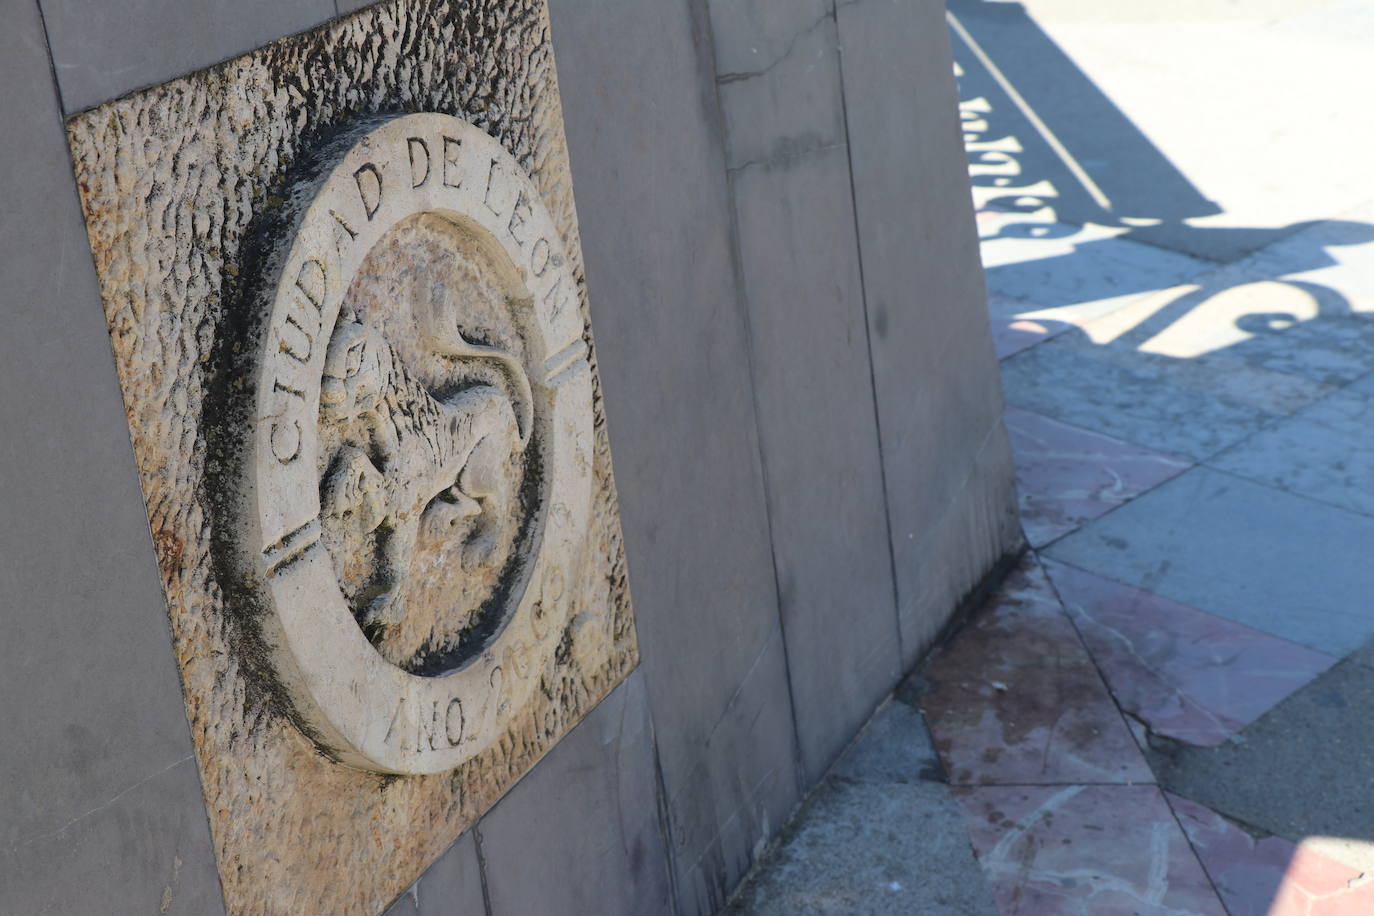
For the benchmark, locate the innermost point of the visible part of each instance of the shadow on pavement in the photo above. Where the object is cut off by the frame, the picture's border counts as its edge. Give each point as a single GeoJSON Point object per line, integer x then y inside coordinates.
{"type": "Point", "coordinates": [1062, 171]}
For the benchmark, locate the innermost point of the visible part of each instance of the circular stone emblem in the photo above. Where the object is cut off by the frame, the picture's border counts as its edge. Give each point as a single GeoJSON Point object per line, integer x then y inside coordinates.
{"type": "Point", "coordinates": [418, 475]}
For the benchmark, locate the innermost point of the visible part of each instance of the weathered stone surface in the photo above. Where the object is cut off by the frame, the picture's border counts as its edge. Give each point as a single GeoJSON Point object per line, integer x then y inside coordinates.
{"type": "Point", "coordinates": [816, 426]}
{"type": "Point", "coordinates": [422, 431]}
{"type": "Point", "coordinates": [778, 76]}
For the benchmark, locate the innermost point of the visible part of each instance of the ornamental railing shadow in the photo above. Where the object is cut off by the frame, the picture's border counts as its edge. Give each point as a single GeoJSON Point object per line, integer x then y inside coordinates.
{"type": "Point", "coordinates": [1056, 164]}
{"type": "Point", "coordinates": [1052, 157]}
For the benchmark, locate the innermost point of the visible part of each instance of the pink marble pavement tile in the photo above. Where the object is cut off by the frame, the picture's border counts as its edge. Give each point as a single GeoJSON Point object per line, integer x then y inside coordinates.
{"type": "Point", "coordinates": [1011, 334]}
{"type": "Point", "coordinates": [1187, 674]}
{"type": "Point", "coordinates": [1085, 850]}
{"type": "Point", "coordinates": [1067, 475]}
{"type": "Point", "coordinates": [1270, 876]}
{"type": "Point", "coordinates": [1015, 698]}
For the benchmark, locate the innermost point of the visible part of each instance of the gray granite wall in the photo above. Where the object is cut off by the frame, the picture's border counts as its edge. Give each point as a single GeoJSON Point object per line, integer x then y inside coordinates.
{"type": "Point", "coordinates": [803, 406]}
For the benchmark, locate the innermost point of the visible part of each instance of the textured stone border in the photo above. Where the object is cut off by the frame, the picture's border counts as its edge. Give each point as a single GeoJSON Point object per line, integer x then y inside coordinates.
{"type": "Point", "coordinates": [182, 190]}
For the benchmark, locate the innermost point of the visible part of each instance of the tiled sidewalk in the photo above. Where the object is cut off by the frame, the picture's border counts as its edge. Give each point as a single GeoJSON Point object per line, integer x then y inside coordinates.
{"type": "Point", "coordinates": [1150, 717]}
{"type": "Point", "coordinates": [1166, 708]}
{"type": "Point", "coordinates": [1169, 604]}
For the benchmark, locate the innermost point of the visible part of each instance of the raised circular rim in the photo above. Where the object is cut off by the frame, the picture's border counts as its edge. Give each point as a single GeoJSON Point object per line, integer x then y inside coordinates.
{"type": "Point", "coordinates": [359, 707]}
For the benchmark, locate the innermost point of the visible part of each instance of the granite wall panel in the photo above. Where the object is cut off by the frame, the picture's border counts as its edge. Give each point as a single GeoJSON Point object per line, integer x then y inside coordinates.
{"type": "Point", "coordinates": [452, 886]}
{"type": "Point", "coordinates": [103, 50]}
{"type": "Point", "coordinates": [948, 465]}
{"type": "Point", "coordinates": [582, 833]}
{"type": "Point", "coordinates": [144, 850]}
{"type": "Point", "coordinates": [648, 165]}
{"type": "Point", "coordinates": [820, 447]}
{"type": "Point", "coordinates": [100, 808]}
{"type": "Point", "coordinates": [782, 102]}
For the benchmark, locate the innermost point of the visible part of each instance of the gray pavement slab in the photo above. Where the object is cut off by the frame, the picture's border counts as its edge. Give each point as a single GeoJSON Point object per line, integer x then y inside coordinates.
{"type": "Point", "coordinates": [1187, 408]}
{"type": "Point", "coordinates": [1280, 563]}
{"type": "Point", "coordinates": [1321, 452]}
{"type": "Point", "coordinates": [1305, 769]}
{"type": "Point", "coordinates": [1324, 254]}
{"type": "Point", "coordinates": [1223, 374]}
{"type": "Point", "coordinates": [1335, 349]}
{"type": "Point", "coordinates": [895, 746]}
{"type": "Point", "coordinates": [1364, 655]}
{"type": "Point", "coordinates": [1082, 272]}
{"type": "Point", "coordinates": [879, 848]}
{"type": "Point", "coordinates": [1039, 92]}
{"type": "Point", "coordinates": [1364, 385]}
{"type": "Point", "coordinates": [1300, 306]}
{"type": "Point", "coordinates": [879, 836]}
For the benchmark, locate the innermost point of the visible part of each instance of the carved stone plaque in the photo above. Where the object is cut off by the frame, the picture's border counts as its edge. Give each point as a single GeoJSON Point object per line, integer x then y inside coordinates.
{"type": "Point", "coordinates": [416, 469]}
{"type": "Point", "coordinates": [343, 283]}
